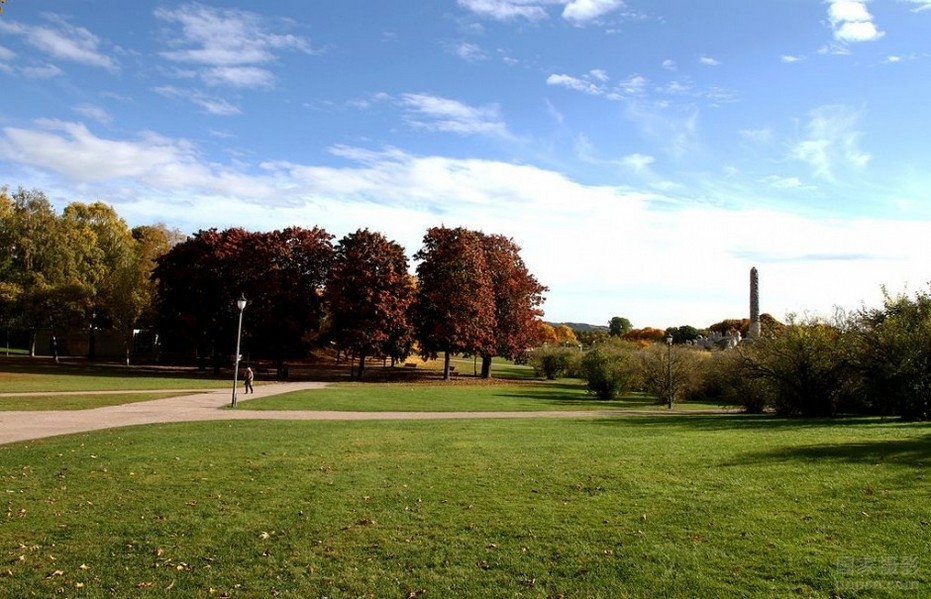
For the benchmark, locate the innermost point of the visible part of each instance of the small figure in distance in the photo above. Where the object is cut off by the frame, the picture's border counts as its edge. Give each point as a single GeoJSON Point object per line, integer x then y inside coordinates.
{"type": "Point", "coordinates": [247, 378]}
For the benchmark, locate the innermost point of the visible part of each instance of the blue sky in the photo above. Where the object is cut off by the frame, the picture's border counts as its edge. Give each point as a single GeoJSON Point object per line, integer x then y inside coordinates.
{"type": "Point", "coordinates": [645, 154]}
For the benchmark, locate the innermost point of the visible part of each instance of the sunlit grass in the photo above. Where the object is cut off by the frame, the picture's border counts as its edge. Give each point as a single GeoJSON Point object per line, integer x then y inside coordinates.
{"type": "Point", "coordinates": [454, 397]}
{"type": "Point", "coordinates": [698, 506]}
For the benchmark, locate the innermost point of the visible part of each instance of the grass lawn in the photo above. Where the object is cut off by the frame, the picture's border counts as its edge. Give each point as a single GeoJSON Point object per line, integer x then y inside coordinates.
{"type": "Point", "coordinates": [645, 506]}
{"type": "Point", "coordinates": [459, 396]}
{"type": "Point", "coordinates": [81, 401]}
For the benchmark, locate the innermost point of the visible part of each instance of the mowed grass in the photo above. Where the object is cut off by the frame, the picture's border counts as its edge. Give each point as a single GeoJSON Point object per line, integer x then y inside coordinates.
{"type": "Point", "coordinates": [458, 396]}
{"type": "Point", "coordinates": [81, 401]}
{"type": "Point", "coordinates": [644, 506]}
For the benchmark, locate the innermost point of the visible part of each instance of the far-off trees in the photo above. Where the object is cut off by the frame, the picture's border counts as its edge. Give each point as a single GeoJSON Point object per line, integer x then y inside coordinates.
{"type": "Point", "coordinates": [369, 294]}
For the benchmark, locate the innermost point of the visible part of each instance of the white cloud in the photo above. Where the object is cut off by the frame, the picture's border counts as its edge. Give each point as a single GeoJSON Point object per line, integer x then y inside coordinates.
{"type": "Point", "coordinates": [63, 41]}
{"type": "Point", "coordinates": [583, 11]}
{"type": "Point", "coordinates": [469, 52]}
{"type": "Point", "coordinates": [578, 12]}
{"type": "Point", "coordinates": [504, 10]}
{"type": "Point", "coordinates": [669, 64]}
{"type": "Point", "coordinates": [921, 5]}
{"type": "Point", "coordinates": [596, 83]}
{"type": "Point", "coordinates": [581, 85]}
{"type": "Point", "coordinates": [760, 136]}
{"type": "Point", "coordinates": [831, 142]}
{"type": "Point", "coordinates": [790, 58]}
{"type": "Point", "coordinates": [443, 114]}
{"type": "Point", "coordinates": [229, 45]}
{"type": "Point", "coordinates": [708, 61]}
{"type": "Point", "coordinates": [852, 21]}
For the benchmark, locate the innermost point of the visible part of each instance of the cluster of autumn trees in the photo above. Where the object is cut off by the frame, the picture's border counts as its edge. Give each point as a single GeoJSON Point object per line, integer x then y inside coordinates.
{"type": "Point", "coordinates": [85, 269]}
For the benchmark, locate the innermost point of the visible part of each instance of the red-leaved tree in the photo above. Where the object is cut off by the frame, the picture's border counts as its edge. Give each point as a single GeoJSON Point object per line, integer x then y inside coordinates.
{"type": "Point", "coordinates": [518, 297]}
{"type": "Point", "coordinates": [455, 301]}
{"type": "Point", "coordinates": [369, 294]}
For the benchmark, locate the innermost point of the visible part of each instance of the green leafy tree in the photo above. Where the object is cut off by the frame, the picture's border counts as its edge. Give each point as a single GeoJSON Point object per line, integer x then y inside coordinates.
{"type": "Point", "coordinates": [618, 326]}
{"type": "Point", "coordinates": [455, 310]}
{"type": "Point", "coordinates": [894, 355]}
{"type": "Point", "coordinates": [368, 296]}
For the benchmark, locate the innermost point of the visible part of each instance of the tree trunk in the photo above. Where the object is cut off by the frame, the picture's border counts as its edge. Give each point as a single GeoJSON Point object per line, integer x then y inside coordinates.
{"type": "Point", "coordinates": [486, 367]}
{"type": "Point", "coordinates": [361, 365]}
{"type": "Point", "coordinates": [446, 366]}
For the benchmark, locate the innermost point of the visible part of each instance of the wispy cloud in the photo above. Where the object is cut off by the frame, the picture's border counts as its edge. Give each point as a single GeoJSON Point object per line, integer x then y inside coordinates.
{"type": "Point", "coordinates": [597, 83]}
{"type": "Point", "coordinates": [831, 142]}
{"type": "Point", "coordinates": [708, 61]}
{"type": "Point", "coordinates": [230, 46]}
{"type": "Point", "coordinates": [436, 113]}
{"type": "Point", "coordinates": [93, 112]}
{"type": "Point", "coordinates": [920, 5]}
{"type": "Point", "coordinates": [852, 22]}
{"type": "Point", "coordinates": [791, 58]}
{"type": "Point", "coordinates": [62, 40]}
{"type": "Point", "coordinates": [469, 52]}
{"type": "Point", "coordinates": [209, 104]}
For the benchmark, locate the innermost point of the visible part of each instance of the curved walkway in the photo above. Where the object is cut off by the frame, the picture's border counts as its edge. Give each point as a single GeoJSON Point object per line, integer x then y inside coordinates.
{"type": "Point", "coordinates": [209, 405]}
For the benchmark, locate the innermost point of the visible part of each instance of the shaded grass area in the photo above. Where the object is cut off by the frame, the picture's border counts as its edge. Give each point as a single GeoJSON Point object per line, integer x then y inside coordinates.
{"type": "Point", "coordinates": [76, 402]}
{"type": "Point", "coordinates": [40, 375]}
{"type": "Point", "coordinates": [635, 507]}
{"type": "Point", "coordinates": [453, 397]}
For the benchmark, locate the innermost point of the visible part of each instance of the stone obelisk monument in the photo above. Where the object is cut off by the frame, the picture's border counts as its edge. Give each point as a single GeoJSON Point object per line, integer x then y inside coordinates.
{"type": "Point", "coordinates": [754, 332]}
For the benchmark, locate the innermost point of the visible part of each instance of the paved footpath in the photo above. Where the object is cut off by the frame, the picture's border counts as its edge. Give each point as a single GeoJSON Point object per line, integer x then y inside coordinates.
{"type": "Point", "coordinates": [214, 405]}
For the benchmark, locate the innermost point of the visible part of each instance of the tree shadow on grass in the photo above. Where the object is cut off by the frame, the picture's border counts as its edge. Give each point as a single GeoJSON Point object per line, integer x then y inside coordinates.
{"type": "Point", "coordinates": [915, 452]}
{"type": "Point", "coordinates": [559, 394]}
{"type": "Point", "coordinates": [687, 421]}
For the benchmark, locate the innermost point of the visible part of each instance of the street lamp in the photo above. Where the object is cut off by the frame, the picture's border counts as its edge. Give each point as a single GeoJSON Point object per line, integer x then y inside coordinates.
{"type": "Point", "coordinates": [241, 304]}
{"type": "Point", "coordinates": [669, 370]}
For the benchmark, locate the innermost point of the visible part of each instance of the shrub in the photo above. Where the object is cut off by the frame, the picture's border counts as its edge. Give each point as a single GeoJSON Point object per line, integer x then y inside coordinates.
{"type": "Point", "coordinates": [553, 362]}
{"type": "Point", "coordinates": [609, 369]}
{"type": "Point", "coordinates": [674, 372]}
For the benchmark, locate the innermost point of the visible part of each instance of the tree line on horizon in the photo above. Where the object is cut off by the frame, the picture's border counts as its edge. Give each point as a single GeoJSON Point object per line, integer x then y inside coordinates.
{"type": "Point", "coordinates": [87, 270]}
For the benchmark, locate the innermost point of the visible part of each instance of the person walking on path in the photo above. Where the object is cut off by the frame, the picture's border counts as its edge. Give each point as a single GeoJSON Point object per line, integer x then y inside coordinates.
{"type": "Point", "coordinates": [247, 378]}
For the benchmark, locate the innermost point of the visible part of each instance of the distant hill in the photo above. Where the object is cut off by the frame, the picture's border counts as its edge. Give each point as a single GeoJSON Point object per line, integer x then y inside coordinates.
{"type": "Point", "coordinates": [580, 326]}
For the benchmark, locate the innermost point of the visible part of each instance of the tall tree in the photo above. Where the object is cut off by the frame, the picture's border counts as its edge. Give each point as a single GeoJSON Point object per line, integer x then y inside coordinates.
{"type": "Point", "coordinates": [283, 274]}
{"type": "Point", "coordinates": [518, 297]}
{"type": "Point", "coordinates": [42, 264]}
{"type": "Point", "coordinates": [455, 301]}
{"type": "Point", "coordinates": [369, 295]}
{"type": "Point", "coordinates": [198, 283]}
{"type": "Point", "coordinates": [104, 251]}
